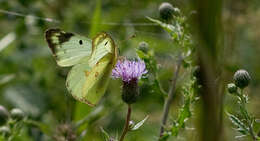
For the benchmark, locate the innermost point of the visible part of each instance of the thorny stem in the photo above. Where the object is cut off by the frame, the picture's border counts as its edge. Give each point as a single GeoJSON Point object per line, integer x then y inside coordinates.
{"type": "Point", "coordinates": [170, 96]}
{"type": "Point", "coordinates": [246, 115]}
{"type": "Point", "coordinates": [126, 128]}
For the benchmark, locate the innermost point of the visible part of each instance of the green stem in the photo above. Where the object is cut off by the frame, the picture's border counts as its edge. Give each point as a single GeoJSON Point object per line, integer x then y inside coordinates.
{"type": "Point", "coordinates": [170, 97]}
{"type": "Point", "coordinates": [126, 128]}
{"type": "Point", "coordinates": [246, 115]}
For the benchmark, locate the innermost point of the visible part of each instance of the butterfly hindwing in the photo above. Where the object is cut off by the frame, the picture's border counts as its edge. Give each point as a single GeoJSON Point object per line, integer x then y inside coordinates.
{"type": "Point", "coordinates": [76, 80]}
{"type": "Point", "coordinates": [87, 82]}
{"type": "Point", "coordinates": [68, 48]}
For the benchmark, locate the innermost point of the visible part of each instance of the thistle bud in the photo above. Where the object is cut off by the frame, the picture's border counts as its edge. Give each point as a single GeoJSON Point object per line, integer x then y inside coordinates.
{"type": "Point", "coordinates": [17, 114]}
{"type": "Point", "coordinates": [166, 11]}
{"type": "Point", "coordinates": [242, 78]}
{"type": "Point", "coordinates": [232, 88]}
{"type": "Point", "coordinates": [143, 46]}
{"type": "Point", "coordinates": [5, 131]}
{"type": "Point", "coordinates": [4, 115]}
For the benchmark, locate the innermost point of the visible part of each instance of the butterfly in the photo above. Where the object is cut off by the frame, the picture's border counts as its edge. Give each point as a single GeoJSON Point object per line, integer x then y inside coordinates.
{"type": "Point", "coordinates": [92, 62]}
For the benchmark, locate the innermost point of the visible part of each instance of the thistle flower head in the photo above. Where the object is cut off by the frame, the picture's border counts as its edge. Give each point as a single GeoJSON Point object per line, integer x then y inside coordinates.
{"type": "Point", "coordinates": [129, 70]}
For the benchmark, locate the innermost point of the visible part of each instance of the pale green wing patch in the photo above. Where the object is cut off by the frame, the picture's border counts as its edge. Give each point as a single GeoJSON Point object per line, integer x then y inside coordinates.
{"type": "Point", "coordinates": [88, 83]}
{"type": "Point", "coordinates": [97, 80]}
{"type": "Point", "coordinates": [76, 80]}
{"type": "Point", "coordinates": [68, 48]}
{"type": "Point", "coordinates": [102, 45]}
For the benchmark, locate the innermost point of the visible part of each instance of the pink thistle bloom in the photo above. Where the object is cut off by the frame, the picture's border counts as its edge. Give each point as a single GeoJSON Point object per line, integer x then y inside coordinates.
{"type": "Point", "coordinates": [129, 70]}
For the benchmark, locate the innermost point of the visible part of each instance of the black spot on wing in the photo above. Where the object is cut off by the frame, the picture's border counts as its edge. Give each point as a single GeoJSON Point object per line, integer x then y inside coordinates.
{"type": "Point", "coordinates": [62, 37]}
{"type": "Point", "coordinates": [80, 42]}
{"type": "Point", "coordinates": [106, 43]}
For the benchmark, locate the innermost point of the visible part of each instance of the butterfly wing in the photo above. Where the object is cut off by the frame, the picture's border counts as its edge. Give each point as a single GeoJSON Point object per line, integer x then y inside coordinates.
{"type": "Point", "coordinates": [102, 45]}
{"type": "Point", "coordinates": [68, 48]}
{"type": "Point", "coordinates": [88, 82]}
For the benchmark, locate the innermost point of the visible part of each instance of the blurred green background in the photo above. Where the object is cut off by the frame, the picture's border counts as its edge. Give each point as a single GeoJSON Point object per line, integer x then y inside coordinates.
{"type": "Point", "coordinates": [31, 80]}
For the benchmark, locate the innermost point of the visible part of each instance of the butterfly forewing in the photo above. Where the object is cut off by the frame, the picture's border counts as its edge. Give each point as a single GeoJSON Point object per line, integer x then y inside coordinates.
{"type": "Point", "coordinates": [87, 83]}
{"type": "Point", "coordinates": [68, 48]}
{"type": "Point", "coordinates": [102, 45]}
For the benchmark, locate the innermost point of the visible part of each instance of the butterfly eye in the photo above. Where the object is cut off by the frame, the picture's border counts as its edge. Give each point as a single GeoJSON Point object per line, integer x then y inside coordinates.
{"type": "Point", "coordinates": [80, 42]}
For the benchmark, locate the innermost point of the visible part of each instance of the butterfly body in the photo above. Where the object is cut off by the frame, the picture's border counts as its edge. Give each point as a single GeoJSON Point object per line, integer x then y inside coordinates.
{"type": "Point", "coordinates": [92, 62]}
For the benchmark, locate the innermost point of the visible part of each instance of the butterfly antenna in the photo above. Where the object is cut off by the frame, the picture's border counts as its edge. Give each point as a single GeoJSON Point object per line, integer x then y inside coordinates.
{"type": "Point", "coordinates": [29, 16]}
{"type": "Point", "coordinates": [128, 38]}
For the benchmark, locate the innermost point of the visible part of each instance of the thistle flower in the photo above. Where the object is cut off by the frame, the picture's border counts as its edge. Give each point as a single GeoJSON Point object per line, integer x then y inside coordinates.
{"type": "Point", "coordinates": [130, 72]}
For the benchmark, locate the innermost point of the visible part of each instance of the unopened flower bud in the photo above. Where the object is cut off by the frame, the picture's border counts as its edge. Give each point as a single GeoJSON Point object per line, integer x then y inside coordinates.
{"type": "Point", "coordinates": [4, 115]}
{"type": "Point", "coordinates": [242, 78]}
{"type": "Point", "coordinates": [166, 11]}
{"type": "Point", "coordinates": [17, 114]}
{"type": "Point", "coordinates": [5, 130]}
{"type": "Point", "coordinates": [232, 88]}
{"type": "Point", "coordinates": [143, 46]}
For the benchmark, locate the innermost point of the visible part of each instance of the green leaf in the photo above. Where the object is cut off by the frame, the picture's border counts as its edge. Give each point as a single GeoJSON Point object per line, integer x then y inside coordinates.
{"type": "Point", "coordinates": [139, 124]}
{"type": "Point", "coordinates": [106, 135]}
{"type": "Point", "coordinates": [168, 27]}
{"type": "Point", "coordinates": [244, 112]}
{"type": "Point", "coordinates": [91, 117]}
{"type": "Point", "coordinates": [175, 30]}
{"type": "Point", "coordinates": [165, 136]}
{"type": "Point", "coordinates": [42, 126]}
{"type": "Point", "coordinates": [184, 114]}
{"type": "Point", "coordinates": [242, 128]}
{"type": "Point", "coordinates": [29, 98]}
{"type": "Point", "coordinates": [96, 19]}
{"type": "Point", "coordinates": [6, 78]}
{"type": "Point", "coordinates": [5, 41]}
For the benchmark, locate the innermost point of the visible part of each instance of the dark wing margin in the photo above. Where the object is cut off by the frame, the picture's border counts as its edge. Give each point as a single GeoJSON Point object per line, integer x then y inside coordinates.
{"type": "Point", "coordinates": [61, 37]}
